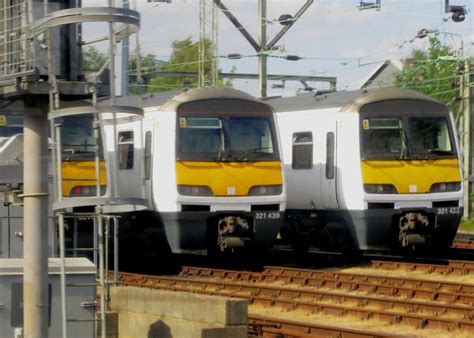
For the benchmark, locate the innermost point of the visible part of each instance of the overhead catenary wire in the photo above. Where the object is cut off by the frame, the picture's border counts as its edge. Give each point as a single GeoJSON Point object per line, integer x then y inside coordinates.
{"type": "Point", "coordinates": [309, 22]}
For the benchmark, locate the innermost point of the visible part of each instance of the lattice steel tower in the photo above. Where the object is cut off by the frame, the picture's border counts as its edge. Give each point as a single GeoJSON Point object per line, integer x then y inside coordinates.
{"type": "Point", "coordinates": [208, 65]}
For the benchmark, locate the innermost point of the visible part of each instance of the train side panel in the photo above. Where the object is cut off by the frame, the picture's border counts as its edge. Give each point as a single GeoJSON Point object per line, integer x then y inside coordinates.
{"type": "Point", "coordinates": [303, 135]}
{"type": "Point", "coordinates": [164, 191]}
{"type": "Point", "coordinates": [350, 190]}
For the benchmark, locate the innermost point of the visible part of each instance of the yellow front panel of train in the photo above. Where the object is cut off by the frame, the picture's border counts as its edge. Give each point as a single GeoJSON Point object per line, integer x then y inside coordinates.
{"type": "Point", "coordinates": [81, 173]}
{"type": "Point", "coordinates": [229, 178]}
{"type": "Point", "coordinates": [411, 176]}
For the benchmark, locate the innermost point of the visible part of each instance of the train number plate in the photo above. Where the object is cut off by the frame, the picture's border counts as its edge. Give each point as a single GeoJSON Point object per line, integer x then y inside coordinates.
{"type": "Point", "coordinates": [449, 211]}
{"type": "Point", "coordinates": [267, 215]}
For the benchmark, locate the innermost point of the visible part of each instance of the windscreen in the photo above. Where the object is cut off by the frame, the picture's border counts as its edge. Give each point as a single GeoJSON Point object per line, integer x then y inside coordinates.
{"type": "Point", "coordinates": [226, 138]}
{"type": "Point", "coordinates": [77, 137]}
{"type": "Point", "coordinates": [407, 137]}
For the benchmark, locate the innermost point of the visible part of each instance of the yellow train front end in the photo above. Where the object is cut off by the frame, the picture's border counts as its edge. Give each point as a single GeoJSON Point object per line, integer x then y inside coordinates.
{"type": "Point", "coordinates": [82, 159]}
{"type": "Point", "coordinates": [79, 177]}
{"type": "Point", "coordinates": [229, 175]}
{"type": "Point", "coordinates": [411, 173]}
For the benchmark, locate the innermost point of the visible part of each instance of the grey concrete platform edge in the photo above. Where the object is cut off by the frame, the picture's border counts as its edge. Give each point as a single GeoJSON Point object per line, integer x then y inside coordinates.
{"type": "Point", "coordinates": [160, 313]}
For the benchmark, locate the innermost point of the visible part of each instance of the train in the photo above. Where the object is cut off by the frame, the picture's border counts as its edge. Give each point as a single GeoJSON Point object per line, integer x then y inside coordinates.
{"type": "Point", "coordinates": [208, 159]}
{"type": "Point", "coordinates": [223, 172]}
{"type": "Point", "coordinates": [78, 176]}
{"type": "Point", "coordinates": [376, 169]}
{"type": "Point", "coordinates": [211, 165]}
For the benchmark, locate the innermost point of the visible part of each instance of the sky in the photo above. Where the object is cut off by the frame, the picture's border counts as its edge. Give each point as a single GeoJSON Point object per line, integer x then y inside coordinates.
{"type": "Point", "coordinates": [333, 38]}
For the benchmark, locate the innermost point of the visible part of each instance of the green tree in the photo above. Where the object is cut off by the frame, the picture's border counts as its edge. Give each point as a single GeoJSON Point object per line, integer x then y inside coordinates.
{"type": "Point", "coordinates": [434, 72]}
{"type": "Point", "coordinates": [92, 59]}
{"type": "Point", "coordinates": [184, 58]}
{"type": "Point", "coordinates": [149, 65]}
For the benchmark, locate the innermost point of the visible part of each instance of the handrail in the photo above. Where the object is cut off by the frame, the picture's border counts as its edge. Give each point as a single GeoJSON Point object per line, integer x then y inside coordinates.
{"type": "Point", "coordinates": [88, 14]}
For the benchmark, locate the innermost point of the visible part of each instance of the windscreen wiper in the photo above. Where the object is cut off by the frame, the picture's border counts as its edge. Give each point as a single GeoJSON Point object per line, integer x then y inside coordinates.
{"type": "Point", "coordinates": [251, 151]}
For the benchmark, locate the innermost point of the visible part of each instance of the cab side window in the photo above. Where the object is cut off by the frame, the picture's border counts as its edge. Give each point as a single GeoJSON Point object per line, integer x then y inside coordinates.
{"type": "Point", "coordinates": [302, 157]}
{"type": "Point", "coordinates": [147, 155]}
{"type": "Point", "coordinates": [125, 150]}
{"type": "Point", "coordinates": [330, 155]}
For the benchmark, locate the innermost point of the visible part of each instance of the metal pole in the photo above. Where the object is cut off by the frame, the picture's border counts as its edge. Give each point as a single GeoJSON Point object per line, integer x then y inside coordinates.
{"type": "Point", "coordinates": [262, 56]}
{"type": "Point", "coordinates": [106, 263]}
{"type": "Point", "coordinates": [116, 248]}
{"type": "Point", "coordinates": [466, 103]}
{"type": "Point", "coordinates": [112, 185]}
{"type": "Point", "coordinates": [112, 59]}
{"type": "Point", "coordinates": [35, 199]}
{"type": "Point", "coordinates": [59, 163]}
{"type": "Point", "coordinates": [202, 54]}
{"type": "Point", "coordinates": [103, 304]}
{"type": "Point", "coordinates": [74, 237]}
{"type": "Point", "coordinates": [8, 229]}
{"type": "Point", "coordinates": [285, 29]}
{"type": "Point", "coordinates": [215, 41]}
{"type": "Point", "coordinates": [58, 149]}
{"type": "Point", "coordinates": [125, 58]}
{"type": "Point", "coordinates": [95, 241]}
{"type": "Point", "coordinates": [237, 24]}
{"type": "Point", "coordinates": [63, 274]}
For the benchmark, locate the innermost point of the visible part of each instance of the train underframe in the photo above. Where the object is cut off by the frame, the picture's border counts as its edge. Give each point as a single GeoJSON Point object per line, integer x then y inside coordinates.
{"type": "Point", "coordinates": [221, 231]}
{"type": "Point", "coordinates": [148, 239]}
{"type": "Point", "coordinates": [372, 230]}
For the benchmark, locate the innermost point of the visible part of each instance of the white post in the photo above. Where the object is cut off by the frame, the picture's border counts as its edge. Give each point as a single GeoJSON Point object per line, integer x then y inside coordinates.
{"type": "Point", "coordinates": [35, 199]}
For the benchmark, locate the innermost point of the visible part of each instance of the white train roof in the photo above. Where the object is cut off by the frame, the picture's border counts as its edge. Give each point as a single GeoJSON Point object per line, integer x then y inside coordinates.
{"type": "Point", "coordinates": [348, 101]}
{"type": "Point", "coordinates": [171, 100]}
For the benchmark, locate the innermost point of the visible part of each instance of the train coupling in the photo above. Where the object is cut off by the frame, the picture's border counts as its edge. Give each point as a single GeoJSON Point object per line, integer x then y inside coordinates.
{"type": "Point", "coordinates": [231, 232]}
{"type": "Point", "coordinates": [413, 226]}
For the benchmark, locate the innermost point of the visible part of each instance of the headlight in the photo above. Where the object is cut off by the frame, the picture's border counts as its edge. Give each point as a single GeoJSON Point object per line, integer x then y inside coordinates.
{"type": "Point", "coordinates": [86, 191]}
{"type": "Point", "coordinates": [380, 189]}
{"type": "Point", "coordinates": [194, 190]}
{"type": "Point", "coordinates": [265, 190]}
{"type": "Point", "coordinates": [445, 187]}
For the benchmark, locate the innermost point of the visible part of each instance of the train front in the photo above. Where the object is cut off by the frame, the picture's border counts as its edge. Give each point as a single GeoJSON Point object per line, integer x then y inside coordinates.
{"type": "Point", "coordinates": [411, 173]}
{"type": "Point", "coordinates": [229, 175]}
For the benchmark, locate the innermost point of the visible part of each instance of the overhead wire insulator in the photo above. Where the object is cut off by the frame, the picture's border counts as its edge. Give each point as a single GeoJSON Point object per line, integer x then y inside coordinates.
{"type": "Point", "coordinates": [293, 57]}
{"type": "Point", "coordinates": [234, 56]}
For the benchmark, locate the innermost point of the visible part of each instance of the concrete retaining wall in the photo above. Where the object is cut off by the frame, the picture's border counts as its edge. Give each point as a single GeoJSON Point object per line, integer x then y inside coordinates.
{"type": "Point", "coordinates": [147, 313]}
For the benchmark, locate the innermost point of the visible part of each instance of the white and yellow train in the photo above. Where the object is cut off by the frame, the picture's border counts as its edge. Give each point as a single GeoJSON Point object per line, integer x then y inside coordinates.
{"type": "Point", "coordinates": [376, 169]}
{"type": "Point", "coordinates": [211, 165]}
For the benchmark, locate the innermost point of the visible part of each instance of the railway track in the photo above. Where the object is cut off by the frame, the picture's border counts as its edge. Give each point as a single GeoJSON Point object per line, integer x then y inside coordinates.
{"type": "Point", "coordinates": [450, 266]}
{"type": "Point", "coordinates": [464, 240]}
{"type": "Point", "coordinates": [368, 297]}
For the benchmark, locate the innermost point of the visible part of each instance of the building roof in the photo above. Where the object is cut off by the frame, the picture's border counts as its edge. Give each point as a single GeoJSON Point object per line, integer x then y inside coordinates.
{"type": "Point", "coordinates": [383, 74]}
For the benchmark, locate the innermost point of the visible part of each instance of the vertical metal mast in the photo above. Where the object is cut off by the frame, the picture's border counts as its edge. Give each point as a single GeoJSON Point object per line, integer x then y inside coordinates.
{"type": "Point", "coordinates": [262, 47]}
{"type": "Point", "coordinates": [467, 138]}
{"type": "Point", "coordinates": [35, 199]}
{"type": "Point", "coordinates": [208, 65]}
{"type": "Point", "coordinates": [262, 56]}
{"type": "Point", "coordinates": [125, 58]}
